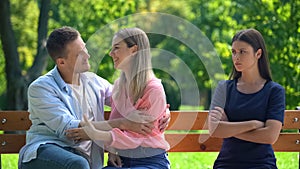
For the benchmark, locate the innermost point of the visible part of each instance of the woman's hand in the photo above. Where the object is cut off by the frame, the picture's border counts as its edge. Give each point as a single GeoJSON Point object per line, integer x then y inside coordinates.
{"type": "Point", "coordinates": [88, 127]}
{"type": "Point", "coordinates": [222, 113]}
{"type": "Point", "coordinates": [217, 114]}
{"type": "Point", "coordinates": [138, 122]}
{"type": "Point", "coordinates": [114, 160]}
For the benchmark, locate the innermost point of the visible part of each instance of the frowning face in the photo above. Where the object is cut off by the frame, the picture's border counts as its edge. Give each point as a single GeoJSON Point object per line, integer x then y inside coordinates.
{"type": "Point", "coordinates": [243, 56]}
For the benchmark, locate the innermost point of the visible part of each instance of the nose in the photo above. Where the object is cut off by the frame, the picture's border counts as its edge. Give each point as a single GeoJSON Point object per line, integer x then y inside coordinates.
{"type": "Point", "coordinates": [111, 53]}
{"type": "Point", "coordinates": [236, 56]}
{"type": "Point", "coordinates": [87, 55]}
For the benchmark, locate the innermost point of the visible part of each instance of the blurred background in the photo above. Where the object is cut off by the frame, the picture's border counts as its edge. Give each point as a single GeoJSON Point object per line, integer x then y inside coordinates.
{"type": "Point", "coordinates": [25, 25]}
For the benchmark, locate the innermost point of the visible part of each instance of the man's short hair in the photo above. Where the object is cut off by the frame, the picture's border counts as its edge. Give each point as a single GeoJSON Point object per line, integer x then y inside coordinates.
{"type": "Point", "coordinates": [58, 40]}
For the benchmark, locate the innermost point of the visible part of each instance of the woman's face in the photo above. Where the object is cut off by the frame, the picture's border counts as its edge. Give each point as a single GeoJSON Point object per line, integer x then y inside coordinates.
{"type": "Point", "coordinates": [121, 54]}
{"type": "Point", "coordinates": [243, 56]}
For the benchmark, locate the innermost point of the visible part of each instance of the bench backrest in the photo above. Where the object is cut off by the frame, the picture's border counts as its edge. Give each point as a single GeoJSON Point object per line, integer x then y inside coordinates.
{"type": "Point", "coordinates": [187, 132]}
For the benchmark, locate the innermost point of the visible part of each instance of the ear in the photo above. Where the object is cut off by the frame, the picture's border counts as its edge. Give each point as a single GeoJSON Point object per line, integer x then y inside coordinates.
{"type": "Point", "coordinates": [60, 61]}
{"type": "Point", "coordinates": [258, 53]}
{"type": "Point", "coordinates": [134, 48]}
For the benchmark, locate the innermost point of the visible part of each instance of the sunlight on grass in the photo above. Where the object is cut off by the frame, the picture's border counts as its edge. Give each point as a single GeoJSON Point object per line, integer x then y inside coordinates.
{"type": "Point", "coordinates": [192, 160]}
{"type": "Point", "coordinates": [285, 160]}
{"type": "Point", "coordinates": [186, 107]}
{"type": "Point", "coordinates": [10, 161]}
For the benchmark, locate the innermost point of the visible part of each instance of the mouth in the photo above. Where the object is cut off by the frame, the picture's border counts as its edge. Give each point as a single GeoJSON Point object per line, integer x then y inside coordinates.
{"type": "Point", "coordinates": [115, 61]}
{"type": "Point", "coordinates": [237, 64]}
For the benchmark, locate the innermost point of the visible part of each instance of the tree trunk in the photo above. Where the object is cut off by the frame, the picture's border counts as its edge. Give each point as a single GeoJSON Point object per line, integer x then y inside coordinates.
{"type": "Point", "coordinates": [40, 61]}
{"type": "Point", "coordinates": [17, 84]}
{"type": "Point", "coordinates": [15, 94]}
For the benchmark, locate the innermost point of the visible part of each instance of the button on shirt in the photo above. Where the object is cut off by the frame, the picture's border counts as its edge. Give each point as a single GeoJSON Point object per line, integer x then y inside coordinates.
{"type": "Point", "coordinates": [53, 110]}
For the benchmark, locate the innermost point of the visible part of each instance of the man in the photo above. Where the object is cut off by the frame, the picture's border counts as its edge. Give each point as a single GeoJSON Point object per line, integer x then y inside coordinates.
{"type": "Point", "coordinates": [56, 103]}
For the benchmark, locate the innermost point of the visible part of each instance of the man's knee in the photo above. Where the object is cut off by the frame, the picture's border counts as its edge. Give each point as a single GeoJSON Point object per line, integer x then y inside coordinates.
{"type": "Point", "coordinates": [78, 163]}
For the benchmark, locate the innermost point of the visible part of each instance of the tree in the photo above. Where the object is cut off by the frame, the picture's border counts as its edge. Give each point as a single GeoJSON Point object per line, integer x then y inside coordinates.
{"type": "Point", "coordinates": [22, 64]}
{"type": "Point", "coordinates": [277, 20]}
{"type": "Point", "coordinates": [17, 83]}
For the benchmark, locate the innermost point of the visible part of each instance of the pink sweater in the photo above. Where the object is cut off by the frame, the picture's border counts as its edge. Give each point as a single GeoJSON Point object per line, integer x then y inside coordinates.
{"type": "Point", "coordinates": [153, 102]}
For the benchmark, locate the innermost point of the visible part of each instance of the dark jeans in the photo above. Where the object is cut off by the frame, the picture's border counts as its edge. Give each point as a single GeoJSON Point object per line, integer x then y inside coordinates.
{"type": "Point", "coordinates": [159, 161]}
{"type": "Point", "coordinates": [52, 156]}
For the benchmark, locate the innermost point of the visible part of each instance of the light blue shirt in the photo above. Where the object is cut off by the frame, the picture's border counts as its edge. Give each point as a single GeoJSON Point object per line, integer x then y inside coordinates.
{"type": "Point", "coordinates": [53, 110]}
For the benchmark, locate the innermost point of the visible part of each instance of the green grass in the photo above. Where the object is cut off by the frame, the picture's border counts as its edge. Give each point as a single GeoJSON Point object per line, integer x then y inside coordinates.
{"type": "Point", "coordinates": [186, 107]}
{"type": "Point", "coordinates": [285, 160]}
{"type": "Point", "coordinates": [205, 160]}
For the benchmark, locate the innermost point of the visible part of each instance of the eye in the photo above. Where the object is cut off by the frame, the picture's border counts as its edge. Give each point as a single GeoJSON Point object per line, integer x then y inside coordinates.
{"type": "Point", "coordinates": [233, 52]}
{"type": "Point", "coordinates": [85, 50]}
{"type": "Point", "coordinates": [242, 52]}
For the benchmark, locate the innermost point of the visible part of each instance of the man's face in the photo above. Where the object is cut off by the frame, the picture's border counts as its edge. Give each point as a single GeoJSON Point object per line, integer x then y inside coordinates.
{"type": "Point", "coordinates": [77, 59]}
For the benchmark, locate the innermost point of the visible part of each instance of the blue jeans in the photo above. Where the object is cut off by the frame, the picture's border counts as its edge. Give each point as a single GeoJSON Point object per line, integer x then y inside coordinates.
{"type": "Point", "coordinates": [159, 161]}
{"type": "Point", "coordinates": [50, 156]}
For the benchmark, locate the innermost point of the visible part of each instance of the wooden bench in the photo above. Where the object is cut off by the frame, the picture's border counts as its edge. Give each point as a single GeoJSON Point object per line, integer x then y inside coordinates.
{"type": "Point", "coordinates": [187, 132]}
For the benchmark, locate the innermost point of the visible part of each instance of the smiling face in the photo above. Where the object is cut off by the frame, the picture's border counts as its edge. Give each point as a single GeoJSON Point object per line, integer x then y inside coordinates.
{"type": "Point", "coordinates": [77, 59]}
{"type": "Point", "coordinates": [244, 57]}
{"type": "Point", "coordinates": [121, 53]}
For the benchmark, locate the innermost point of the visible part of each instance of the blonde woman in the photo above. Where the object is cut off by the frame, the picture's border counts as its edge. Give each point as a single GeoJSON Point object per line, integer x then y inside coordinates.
{"type": "Point", "coordinates": [136, 91]}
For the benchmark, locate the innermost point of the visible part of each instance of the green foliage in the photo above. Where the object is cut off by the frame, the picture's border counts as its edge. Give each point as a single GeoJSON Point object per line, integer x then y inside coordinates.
{"type": "Point", "coordinates": [88, 17]}
{"type": "Point", "coordinates": [277, 20]}
{"type": "Point", "coordinates": [24, 20]}
{"type": "Point", "coordinates": [2, 78]}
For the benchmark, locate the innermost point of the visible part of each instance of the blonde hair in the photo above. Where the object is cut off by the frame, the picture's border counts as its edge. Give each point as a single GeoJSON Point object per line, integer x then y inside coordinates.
{"type": "Point", "coordinates": [141, 68]}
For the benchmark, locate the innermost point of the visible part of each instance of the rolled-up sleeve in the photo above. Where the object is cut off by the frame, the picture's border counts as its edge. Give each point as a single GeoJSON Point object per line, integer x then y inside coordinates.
{"type": "Point", "coordinates": [47, 108]}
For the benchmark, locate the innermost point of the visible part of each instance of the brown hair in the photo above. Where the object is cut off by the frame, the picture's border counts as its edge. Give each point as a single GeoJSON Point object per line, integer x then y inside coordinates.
{"type": "Point", "coordinates": [256, 40]}
{"type": "Point", "coordinates": [58, 39]}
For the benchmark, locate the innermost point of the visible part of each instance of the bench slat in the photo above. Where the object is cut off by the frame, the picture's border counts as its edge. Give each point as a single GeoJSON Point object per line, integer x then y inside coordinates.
{"type": "Point", "coordinates": [14, 120]}
{"type": "Point", "coordinates": [188, 120]}
{"type": "Point", "coordinates": [181, 120]}
{"type": "Point", "coordinates": [180, 142]}
{"type": "Point", "coordinates": [196, 120]}
{"type": "Point", "coordinates": [291, 119]}
{"type": "Point", "coordinates": [287, 142]}
{"type": "Point", "coordinates": [191, 143]}
{"type": "Point", "coordinates": [11, 143]}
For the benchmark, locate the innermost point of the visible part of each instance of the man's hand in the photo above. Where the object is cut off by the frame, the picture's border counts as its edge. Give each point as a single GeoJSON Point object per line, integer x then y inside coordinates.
{"type": "Point", "coordinates": [138, 122]}
{"type": "Point", "coordinates": [165, 120]}
{"type": "Point", "coordinates": [77, 134]}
